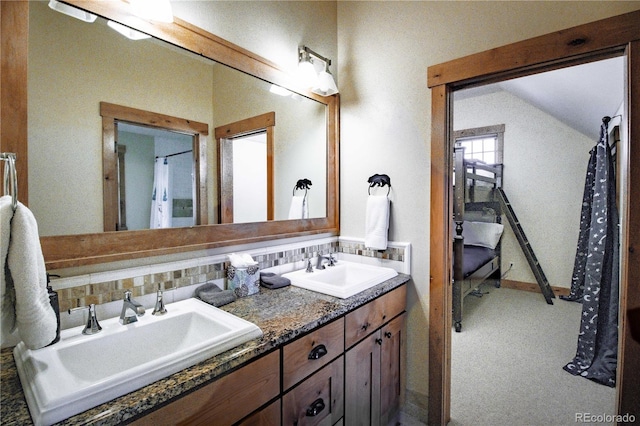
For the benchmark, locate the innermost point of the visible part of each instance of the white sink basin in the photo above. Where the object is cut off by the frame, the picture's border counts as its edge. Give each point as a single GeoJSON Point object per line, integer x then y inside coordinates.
{"type": "Point", "coordinates": [342, 280]}
{"type": "Point", "coordinates": [80, 372]}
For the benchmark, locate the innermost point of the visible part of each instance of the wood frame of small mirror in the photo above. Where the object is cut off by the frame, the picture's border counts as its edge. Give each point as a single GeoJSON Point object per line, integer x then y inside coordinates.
{"type": "Point", "coordinates": [111, 114]}
{"type": "Point", "coordinates": [87, 249]}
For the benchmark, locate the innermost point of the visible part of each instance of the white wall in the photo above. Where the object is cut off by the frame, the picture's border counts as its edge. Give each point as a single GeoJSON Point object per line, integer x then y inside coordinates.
{"type": "Point", "coordinates": [384, 51]}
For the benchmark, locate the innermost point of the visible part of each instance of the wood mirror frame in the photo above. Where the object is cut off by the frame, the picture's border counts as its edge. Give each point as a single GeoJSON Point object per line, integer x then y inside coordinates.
{"type": "Point", "coordinates": [86, 249]}
{"type": "Point", "coordinates": [619, 35]}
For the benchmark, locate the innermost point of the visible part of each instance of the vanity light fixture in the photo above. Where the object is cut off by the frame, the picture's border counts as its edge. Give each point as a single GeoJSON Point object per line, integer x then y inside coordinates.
{"type": "Point", "coordinates": [72, 11]}
{"type": "Point", "coordinates": [129, 33]}
{"type": "Point", "coordinates": [153, 10]}
{"type": "Point", "coordinates": [321, 83]}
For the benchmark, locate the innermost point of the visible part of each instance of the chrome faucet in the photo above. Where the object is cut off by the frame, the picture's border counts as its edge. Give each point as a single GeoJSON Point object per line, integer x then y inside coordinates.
{"type": "Point", "coordinates": [92, 326]}
{"type": "Point", "coordinates": [321, 259]}
{"type": "Point", "coordinates": [129, 304]}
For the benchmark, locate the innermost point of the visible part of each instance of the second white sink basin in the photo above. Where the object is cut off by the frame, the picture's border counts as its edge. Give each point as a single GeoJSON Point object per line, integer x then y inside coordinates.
{"type": "Point", "coordinates": [342, 280]}
{"type": "Point", "coordinates": [80, 372]}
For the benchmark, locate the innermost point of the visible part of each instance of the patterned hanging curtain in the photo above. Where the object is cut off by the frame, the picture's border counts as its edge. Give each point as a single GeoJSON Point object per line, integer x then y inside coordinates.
{"type": "Point", "coordinates": [161, 203]}
{"type": "Point", "coordinates": [595, 280]}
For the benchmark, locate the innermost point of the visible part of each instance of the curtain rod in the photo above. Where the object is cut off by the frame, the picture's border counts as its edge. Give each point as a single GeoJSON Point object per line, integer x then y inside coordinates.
{"type": "Point", "coordinates": [172, 155]}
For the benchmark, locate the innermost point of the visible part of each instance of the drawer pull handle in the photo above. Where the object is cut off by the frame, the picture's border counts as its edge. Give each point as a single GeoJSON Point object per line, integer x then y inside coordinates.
{"type": "Point", "coordinates": [379, 341]}
{"type": "Point", "coordinates": [318, 352]}
{"type": "Point", "coordinates": [315, 408]}
{"type": "Point", "coordinates": [387, 334]}
{"type": "Point", "coordinates": [365, 326]}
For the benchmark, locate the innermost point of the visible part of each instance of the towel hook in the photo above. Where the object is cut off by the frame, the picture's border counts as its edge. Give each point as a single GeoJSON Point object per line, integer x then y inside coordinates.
{"type": "Point", "coordinates": [10, 177]}
{"type": "Point", "coordinates": [380, 180]}
{"type": "Point", "coordinates": [302, 184]}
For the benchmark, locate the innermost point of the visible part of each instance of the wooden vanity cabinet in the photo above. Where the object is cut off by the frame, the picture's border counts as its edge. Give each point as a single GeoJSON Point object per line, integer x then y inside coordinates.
{"type": "Point", "coordinates": [374, 365]}
{"type": "Point", "coordinates": [311, 380]}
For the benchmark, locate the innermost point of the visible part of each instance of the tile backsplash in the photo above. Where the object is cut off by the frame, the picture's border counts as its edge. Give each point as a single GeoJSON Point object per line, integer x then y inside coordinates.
{"type": "Point", "coordinates": [104, 287]}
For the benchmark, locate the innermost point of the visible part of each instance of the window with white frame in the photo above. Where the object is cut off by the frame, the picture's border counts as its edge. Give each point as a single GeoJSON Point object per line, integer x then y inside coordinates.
{"type": "Point", "coordinates": [484, 144]}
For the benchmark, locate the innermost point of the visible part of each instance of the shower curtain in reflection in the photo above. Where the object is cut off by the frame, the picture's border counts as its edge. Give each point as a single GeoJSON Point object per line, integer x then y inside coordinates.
{"type": "Point", "coordinates": [161, 200]}
{"type": "Point", "coordinates": [595, 280]}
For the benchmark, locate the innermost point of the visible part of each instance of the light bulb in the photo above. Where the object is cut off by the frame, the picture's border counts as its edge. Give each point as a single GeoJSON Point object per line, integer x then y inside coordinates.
{"type": "Point", "coordinates": [307, 74]}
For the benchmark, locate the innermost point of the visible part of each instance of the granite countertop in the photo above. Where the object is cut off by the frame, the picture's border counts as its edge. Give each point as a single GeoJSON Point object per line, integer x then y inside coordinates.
{"type": "Point", "coordinates": [281, 314]}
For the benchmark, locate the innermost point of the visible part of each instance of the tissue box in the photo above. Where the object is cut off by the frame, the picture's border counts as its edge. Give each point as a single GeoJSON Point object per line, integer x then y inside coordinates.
{"type": "Point", "coordinates": [244, 281]}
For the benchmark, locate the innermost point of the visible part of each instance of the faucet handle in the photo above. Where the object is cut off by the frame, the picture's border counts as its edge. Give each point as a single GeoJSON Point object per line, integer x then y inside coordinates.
{"type": "Point", "coordinates": [309, 266]}
{"type": "Point", "coordinates": [332, 260]}
{"type": "Point", "coordinates": [93, 326]}
{"type": "Point", "coordinates": [159, 309]}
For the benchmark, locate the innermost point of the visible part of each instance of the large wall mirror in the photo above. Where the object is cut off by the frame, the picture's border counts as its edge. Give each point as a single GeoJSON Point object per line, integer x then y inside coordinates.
{"type": "Point", "coordinates": [75, 67]}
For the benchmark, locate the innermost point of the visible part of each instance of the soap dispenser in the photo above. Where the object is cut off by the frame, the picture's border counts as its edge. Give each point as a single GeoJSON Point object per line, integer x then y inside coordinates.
{"type": "Point", "coordinates": [53, 299]}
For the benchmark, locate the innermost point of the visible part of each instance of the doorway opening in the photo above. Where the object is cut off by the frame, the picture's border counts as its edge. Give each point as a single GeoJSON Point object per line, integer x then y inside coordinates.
{"type": "Point", "coordinates": [545, 154]}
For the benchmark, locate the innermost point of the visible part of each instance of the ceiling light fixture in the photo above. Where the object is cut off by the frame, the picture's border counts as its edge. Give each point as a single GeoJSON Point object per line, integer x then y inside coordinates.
{"type": "Point", "coordinates": [72, 11]}
{"type": "Point", "coordinates": [153, 10]}
{"type": "Point", "coordinates": [321, 83]}
{"type": "Point", "coordinates": [129, 33]}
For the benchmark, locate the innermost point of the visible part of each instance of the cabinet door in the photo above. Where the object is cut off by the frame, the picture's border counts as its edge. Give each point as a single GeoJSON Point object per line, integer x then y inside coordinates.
{"type": "Point", "coordinates": [362, 382]}
{"type": "Point", "coordinates": [318, 400]}
{"type": "Point", "coordinates": [391, 368]}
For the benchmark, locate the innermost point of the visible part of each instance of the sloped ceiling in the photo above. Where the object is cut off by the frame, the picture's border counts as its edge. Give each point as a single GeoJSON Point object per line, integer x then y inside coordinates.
{"type": "Point", "coordinates": [578, 96]}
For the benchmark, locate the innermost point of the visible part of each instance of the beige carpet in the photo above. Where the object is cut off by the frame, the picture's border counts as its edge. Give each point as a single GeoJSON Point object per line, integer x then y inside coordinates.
{"type": "Point", "coordinates": [507, 363]}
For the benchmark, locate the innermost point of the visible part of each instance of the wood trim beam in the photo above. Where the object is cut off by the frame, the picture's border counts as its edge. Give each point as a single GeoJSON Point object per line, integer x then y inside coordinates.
{"type": "Point", "coordinates": [152, 119]}
{"type": "Point", "coordinates": [441, 248]}
{"type": "Point", "coordinates": [628, 380]}
{"type": "Point", "coordinates": [560, 46]}
{"type": "Point", "coordinates": [14, 36]}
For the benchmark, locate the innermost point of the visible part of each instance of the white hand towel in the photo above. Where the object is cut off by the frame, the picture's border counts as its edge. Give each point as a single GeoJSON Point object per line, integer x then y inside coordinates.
{"type": "Point", "coordinates": [377, 222]}
{"type": "Point", "coordinates": [298, 207]}
{"type": "Point", "coordinates": [7, 294]}
{"type": "Point", "coordinates": [35, 318]}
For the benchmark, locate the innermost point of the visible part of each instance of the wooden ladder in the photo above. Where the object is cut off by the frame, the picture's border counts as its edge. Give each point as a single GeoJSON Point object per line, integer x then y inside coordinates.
{"type": "Point", "coordinates": [547, 291]}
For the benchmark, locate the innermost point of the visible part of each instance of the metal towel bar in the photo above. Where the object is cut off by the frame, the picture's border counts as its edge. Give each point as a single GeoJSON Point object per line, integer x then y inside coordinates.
{"type": "Point", "coordinates": [10, 177]}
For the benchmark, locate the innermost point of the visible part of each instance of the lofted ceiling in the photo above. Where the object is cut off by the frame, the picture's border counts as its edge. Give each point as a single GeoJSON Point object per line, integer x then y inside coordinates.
{"type": "Point", "coordinates": [578, 96]}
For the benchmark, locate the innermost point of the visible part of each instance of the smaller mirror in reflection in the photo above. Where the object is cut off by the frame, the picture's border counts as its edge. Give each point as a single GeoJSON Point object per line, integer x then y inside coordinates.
{"type": "Point", "coordinates": [156, 187]}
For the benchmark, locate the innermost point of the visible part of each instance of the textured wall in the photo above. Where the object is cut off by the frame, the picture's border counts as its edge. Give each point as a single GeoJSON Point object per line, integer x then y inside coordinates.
{"type": "Point", "coordinates": [384, 51]}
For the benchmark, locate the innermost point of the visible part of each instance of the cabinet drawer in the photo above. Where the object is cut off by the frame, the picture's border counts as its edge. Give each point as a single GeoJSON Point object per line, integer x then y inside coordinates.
{"type": "Point", "coordinates": [371, 316]}
{"type": "Point", "coordinates": [226, 400]}
{"type": "Point", "coordinates": [311, 352]}
{"type": "Point", "coordinates": [319, 400]}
